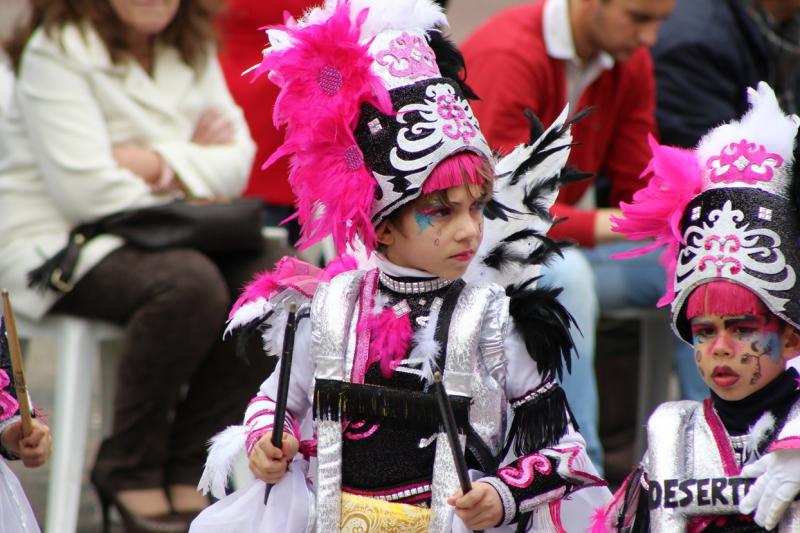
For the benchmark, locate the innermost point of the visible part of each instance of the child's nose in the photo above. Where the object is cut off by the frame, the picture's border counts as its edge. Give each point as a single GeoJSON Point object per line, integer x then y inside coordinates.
{"type": "Point", "coordinates": [722, 346]}
{"type": "Point", "coordinates": [469, 228]}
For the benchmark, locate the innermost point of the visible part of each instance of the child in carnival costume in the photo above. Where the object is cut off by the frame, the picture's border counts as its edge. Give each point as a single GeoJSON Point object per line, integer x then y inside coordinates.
{"type": "Point", "coordinates": [15, 512]}
{"type": "Point", "coordinates": [386, 152]}
{"type": "Point", "coordinates": [728, 215]}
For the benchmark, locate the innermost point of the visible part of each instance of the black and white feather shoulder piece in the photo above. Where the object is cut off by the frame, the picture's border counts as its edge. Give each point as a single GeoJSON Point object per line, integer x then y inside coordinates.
{"type": "Point", "coordinates": [515, 243]}
{"type": "Point", "coordinates": [517, 219]}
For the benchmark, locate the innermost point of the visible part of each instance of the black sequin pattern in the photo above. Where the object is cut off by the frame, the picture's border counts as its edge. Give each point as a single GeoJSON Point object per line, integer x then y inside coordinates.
{"type": "Point", "coordinates": [391, 456]}
{"type": "Point", "coordinates": [783, 220]}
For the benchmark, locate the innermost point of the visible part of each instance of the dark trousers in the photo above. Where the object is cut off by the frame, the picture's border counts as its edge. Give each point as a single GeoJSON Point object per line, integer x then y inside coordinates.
{"type": "Point", "coordinates": [179, 383]}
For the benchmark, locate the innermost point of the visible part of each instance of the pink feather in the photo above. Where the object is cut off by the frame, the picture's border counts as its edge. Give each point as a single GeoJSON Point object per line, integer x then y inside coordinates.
{"type": "Point", "coordinates": [343, 263]}
{"type": "Point", "coordinates": [605, 517]}
{"type": "Point", "coordinates": [600, 520]}
{"type": "Point", "coordinates": [390, 339]}
{"type": "Point", "coordinates": [655, 213]}
{"type": "Point", "coordinates": [289, 272]}
{"type": "Point", "coordinates": [325, 77]}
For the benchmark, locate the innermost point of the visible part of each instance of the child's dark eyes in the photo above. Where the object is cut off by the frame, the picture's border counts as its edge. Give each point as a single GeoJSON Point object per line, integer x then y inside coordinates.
{"type": "Point", "coordinates": [436, 212]}
{"type": "Point", "coordinates": [744, 331]}
{"type": "Point", "coordinates": [702, 333]}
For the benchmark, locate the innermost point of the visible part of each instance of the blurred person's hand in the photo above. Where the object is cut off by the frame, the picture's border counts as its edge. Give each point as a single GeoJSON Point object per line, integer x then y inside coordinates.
{"type": "Point", "coordinates": [33, 450]}
{"type": "Point", "coordinates": [602, 226]}
{"type": "Point", "coordinates": [149, 165]}
{"type": "Point", "coordinates": [213, 128]}
{"type": "Point", "coordinates": [269, 463]}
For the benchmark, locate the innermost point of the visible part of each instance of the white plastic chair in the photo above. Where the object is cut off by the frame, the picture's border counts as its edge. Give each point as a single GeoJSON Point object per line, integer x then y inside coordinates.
{"type": "Point", "coordinates": [77, 345]}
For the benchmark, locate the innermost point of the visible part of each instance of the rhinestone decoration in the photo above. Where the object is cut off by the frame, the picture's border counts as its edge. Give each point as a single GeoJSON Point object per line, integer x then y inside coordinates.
{"type": "Point", "coordinates": [374, 126]}
{"type": "Point", "coordinates": [414, 287]}
{"type": "Point", "coordinates": [741, 163]}
{"type": "Point", "coordinates": [401, 308]}
{"type": "Point", "coordinates": [764, 213]}
{"type": "Point", "coordinates": [695, 213]}
{"type": "Point", "coordinates": [353, 159]}
{"type": "Point", "coordinates": [330, 80]}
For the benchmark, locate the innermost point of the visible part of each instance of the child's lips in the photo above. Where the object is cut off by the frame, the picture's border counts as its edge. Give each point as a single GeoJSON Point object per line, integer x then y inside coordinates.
{"type": "Point", "coordinates": [466, 255]}
{"type": "Point", "coordinates": [724, 376]}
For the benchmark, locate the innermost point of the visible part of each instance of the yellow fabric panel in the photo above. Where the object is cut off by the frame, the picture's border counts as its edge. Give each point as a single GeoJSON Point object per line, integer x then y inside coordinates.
{"type": "Point", "coordinates": [368, 515]}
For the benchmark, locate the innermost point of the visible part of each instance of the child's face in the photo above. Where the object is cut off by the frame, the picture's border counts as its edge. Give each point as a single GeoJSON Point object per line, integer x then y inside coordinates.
{"type": "Point", "coordinates": [436, 237]}
{"type": "Point", "coordinates": [738, 355]}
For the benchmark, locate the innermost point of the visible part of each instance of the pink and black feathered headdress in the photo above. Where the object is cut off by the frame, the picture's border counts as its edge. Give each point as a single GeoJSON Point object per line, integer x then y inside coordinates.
{"type": "Point", "coordinates": [371, 102]}
{"type": "Point", "coordinates": [726, 210]}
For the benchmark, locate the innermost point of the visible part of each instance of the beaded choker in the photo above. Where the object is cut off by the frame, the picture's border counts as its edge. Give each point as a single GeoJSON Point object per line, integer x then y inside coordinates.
{"type": "Point", "coordinates": [413, 287]}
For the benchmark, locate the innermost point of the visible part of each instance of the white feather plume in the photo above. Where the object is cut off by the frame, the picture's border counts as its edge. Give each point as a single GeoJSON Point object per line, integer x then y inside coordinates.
{"type": "Point", "coordinates": [511, 196]}
{"type": "Point", "coordinates": [759, 431]}
{"type": "Point", "coordinates": [425, 347]}
{"type": "Point", "coordinates": [380, 301]}
{"type": "Point", "coordinates": [247, 313]}
{"type": "Point", "coordinates": [224, 448]}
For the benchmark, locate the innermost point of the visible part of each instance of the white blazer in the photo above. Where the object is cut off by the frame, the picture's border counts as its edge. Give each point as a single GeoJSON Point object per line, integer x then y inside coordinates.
{"type": "Point", "coordinates": [71, 104]}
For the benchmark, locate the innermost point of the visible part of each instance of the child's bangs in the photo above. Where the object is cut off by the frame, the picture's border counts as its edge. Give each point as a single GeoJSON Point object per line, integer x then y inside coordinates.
{"type": "Point", "coordinates": [463, 168]}
{"type": "Point", "coordinates": [724, 298]}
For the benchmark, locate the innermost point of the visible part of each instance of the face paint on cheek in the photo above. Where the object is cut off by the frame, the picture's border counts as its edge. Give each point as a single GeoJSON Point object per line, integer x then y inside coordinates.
{"type": "Point", "coordinates": [436, 243]}
{"type": "Point", "coordinates": [698, 355]}
{"type": "Point", "coordinates": [423, 221]}
{"type": "Point", "coordinates": [768, 343]}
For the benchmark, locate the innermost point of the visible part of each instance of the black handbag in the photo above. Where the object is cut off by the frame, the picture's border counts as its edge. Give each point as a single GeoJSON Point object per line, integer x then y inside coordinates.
{"type": "Point", "coordinates": [211, 226]}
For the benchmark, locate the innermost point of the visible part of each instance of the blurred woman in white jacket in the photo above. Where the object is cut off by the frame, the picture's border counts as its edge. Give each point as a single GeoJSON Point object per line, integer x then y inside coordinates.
{"type": "Point", "coordinates": [118, 105]}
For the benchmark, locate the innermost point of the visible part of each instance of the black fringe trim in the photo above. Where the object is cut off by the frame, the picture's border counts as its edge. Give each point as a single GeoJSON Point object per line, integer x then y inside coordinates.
{"type": "Point", "coordinates": [544, 324]}
{"type": "Point", "coordinates": [335, 400]}
{"type": "Point", "coordinates": [523, 522]}
{"type": "Point", "coordinates": [540, 423]}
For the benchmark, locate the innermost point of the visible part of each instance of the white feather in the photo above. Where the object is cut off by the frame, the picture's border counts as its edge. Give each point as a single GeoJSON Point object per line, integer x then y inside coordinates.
{"type": "Point", "coordinates": [764, 124]}
{"type": "Point", "coordinates": [425, 347]}
{"type": "Point", "coordinates": [397, 15]}
{"type": "Point", "coordinates": [511, 196]}
{"type": "Point", "coordinates": [224, 448]}
{"type": "Point", "coordinates": [247, 313]}
{"type": "Point", "coordinates": [381, 301]}
{"type": "Point", "coordinates": [758, 432]}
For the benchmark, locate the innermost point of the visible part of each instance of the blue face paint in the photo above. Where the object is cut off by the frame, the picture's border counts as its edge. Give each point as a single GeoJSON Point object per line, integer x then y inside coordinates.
{"type": "Point", "coordinates": [772, 346]}
{"type": "Point", "coordinates": [423, 221]}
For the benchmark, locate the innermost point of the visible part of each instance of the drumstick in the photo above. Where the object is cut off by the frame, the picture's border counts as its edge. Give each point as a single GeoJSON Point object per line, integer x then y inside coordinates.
{"type": "Point", "coordinates": [16, 366]}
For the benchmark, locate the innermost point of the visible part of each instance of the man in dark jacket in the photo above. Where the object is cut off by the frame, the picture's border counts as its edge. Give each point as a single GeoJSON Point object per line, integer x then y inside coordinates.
{"type": "Point", "coordinates": [709, 51]}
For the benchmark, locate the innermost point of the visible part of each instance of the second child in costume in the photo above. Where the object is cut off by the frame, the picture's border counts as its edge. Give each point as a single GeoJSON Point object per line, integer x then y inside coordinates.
{"type": "Point", "coordinates": [728, 214]}
{"type": "Point", "coordinates": [385, 151]}
{"type": "Point", "coordinates": [33, 450]}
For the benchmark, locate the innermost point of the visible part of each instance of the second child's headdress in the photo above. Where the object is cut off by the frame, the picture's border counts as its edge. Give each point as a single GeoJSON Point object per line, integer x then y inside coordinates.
{"type": "Point", "coordinates": [726, 210]}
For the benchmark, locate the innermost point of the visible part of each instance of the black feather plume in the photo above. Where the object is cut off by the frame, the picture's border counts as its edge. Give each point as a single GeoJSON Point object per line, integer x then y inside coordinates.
{"type": "Point", "coordinates": [544, 324]}
{"type": "Point", "coordinates": [545, 147]}
{"type": "Point", "coordinates": [537, 128]}
{"type": "Point", "coordinates": [495, 210]}
{"type": "Point", "coordinates": [450, 61]}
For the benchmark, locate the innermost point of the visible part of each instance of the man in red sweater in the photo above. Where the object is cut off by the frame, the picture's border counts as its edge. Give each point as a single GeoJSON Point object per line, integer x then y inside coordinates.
{"type": "Point", "coordinates": [588, 53]}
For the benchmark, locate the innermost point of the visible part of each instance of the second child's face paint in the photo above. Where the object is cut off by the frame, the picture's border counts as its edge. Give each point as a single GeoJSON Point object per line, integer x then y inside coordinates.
{"type": "Point", "coordinates": [737, 355]}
